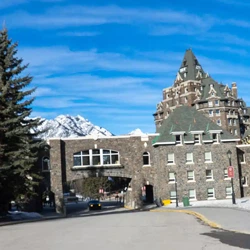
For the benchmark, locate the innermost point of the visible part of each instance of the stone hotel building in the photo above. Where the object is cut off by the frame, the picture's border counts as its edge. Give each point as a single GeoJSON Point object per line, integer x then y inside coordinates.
{"type": "Point", "coordinates": [197, 122]}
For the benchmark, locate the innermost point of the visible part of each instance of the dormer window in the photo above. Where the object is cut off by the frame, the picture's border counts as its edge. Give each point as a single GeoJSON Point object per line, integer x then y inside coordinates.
{"type": "Point", "coordinates": [178, 139]}
{"type": "Point", "coordinates": [197, 139]}
{"type": "Point", "coordinates": [215, 138]}
{"type": "Point", "coordinates": [210, 104]}
{"type": "Point", "coordinates": [216, 102]}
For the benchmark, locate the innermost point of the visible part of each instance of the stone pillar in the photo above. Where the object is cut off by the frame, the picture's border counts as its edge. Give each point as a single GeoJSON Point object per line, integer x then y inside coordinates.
{"type": "Point", "coordinates": [56, 174]}
{"type": "Point", "coordinates": [234, 90]}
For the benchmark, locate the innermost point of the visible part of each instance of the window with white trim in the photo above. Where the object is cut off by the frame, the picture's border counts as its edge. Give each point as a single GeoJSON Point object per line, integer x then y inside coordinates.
{"type": "Point", "coordinates": [173, 195]}
{"type": "Point", "coordinates": [178, 139]}
{"type": "Point", "coordinates": [192, 194]}
{"type": "Point", "coordinates": [210, 193]}
{"type": "Point", "coordinates": [210, 104]}
{"type": "Point", "coordinates": [197, 138]}
{"type": "Point", "coordinates": [244, 181]}
{"type": "Point", "coordinates": [225, 173]}
{"type": "Point", "coordinates": [208, 157]}
{"type": "Point", "coordinates": [217, 112]}
{"type": "Point", "coordinates": [232, 103]}
{"type": "Point", "coordinates": [96, 157]}
{"type": "Point", "coordinates": [186, 100]}
{"type": "Point", "coordinates": [235, 122]}
{"type": "Point", "coordinates": [171, 177]}
{"type": "Point", "coordinates": [146, 158]}
{"type": "Point", "coordinates": [209, 175]}
{"type": "Point", "coordinates": [215, 138]}
{"type": "Point", "coordinates": [186, 90]}
{"type": "Point", "coordinates": [190, 175]}
{"type": "Point", "coordinates": [218, 122]}
{"type": "Point", "coordinates": [217, 102]}
{"type": "Point", "coordinates": [211, 113]}
{"type": "Point", "coordinates": [45, 164]}
{"type": "Point", "coordinates": [189, 158]}
{"type": "Point", "coordinates": [242, 158]}
{"type": "Point", "coordinates": [229, 121]}
{"type": "Point", "coordinates": [228, 192]}
{"type": "Point", "coordinates": [235, 132]}
{"type": "Point", "coordinates": [170, 158]}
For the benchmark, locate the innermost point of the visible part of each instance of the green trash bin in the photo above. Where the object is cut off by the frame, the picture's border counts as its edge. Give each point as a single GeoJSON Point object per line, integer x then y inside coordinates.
{"type": "Point", "coordinates": [185, 201]}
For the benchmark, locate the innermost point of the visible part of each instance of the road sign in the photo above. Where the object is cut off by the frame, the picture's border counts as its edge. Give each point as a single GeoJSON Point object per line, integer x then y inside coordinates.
{"type": "Point", "coordinates": [230, 172]}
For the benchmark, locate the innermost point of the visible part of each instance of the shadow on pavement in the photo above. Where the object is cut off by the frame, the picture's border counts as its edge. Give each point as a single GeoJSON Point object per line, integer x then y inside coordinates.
{"type": "Point", "coordinates": [231, 238]}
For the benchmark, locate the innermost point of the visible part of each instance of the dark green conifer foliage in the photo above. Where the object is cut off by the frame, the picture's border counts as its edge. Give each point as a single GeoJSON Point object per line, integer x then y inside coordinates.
{"type": "Point", "coordinates": [18, 146]}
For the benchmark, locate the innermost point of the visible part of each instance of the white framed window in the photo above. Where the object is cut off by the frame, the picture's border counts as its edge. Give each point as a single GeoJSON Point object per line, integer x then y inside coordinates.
{"type": "Point", "coordinates": [173, 195]}
{"type": "Point", "coordinates": [228, 192]}
{"type": "Point", "coordinates": [235, 132]}
{"type": "Point", "coordinates": [197, 139]}
{"type": "Point", "coordinates": [244, 181]}
{"type": "Point", "coordinates": [45, 164]}
{"type": "Point", "coordinates": [226, 173]}
{"type": "Point", "coordinates": [171, 177]}
{"type": "Point", "coordinates": [228, 102]}
{"type": "Point", "coordinates": [229, 121]}
{"type": "Point", "coordinates": [170, 158]}
{"type": "Point", "coordinates": [96, 157]}
{"type": "Point", "coordinates": [146, 158]}
{"type": "Point", "coordinates": [210, 193]}
{"type": "Point", "coordinates": [209, 175]}
{"type": "Point", "coordinates": [186, 100]}
{"type": "Point", "coordinates": [178, 139]}
{"type": "Point", "coordinates": [192, 194]}
{"type": "Point", "coordinates": [217, 112]}
{"type": "Point", "coordinates": [215, 138]}
{"type": "Point", "coordinates": [218, 122]}
{"type": "Point", "coordinates": [232, 103]}
{"type": "Point", "coordinates": [216, 102]}
{"type": "Point", "coordinates": [189, 158]}
{"type": "Point", "coordinates": [211, 113]}
{"type": "Point", "coordinates": [208, 157]}
{"type": "Point", "coordinates": [242, 158]}
{"type": "Point", "coordinates": [186, 90]}
{"type": "Point", "coordinates": [190, 175]}
{"type": "Point", "coordinates": [210, 104]}
{"type": "Point", "coordinates": [235, 122]}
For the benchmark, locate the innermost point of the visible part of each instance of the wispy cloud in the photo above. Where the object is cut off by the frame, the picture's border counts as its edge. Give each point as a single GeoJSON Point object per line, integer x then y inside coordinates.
{"type": "Point", "coordinates": [79, 33]}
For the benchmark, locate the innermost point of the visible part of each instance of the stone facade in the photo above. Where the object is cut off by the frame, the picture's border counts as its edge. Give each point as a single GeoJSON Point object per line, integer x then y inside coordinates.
{"type": "Point", "coordinates": [131, 149]}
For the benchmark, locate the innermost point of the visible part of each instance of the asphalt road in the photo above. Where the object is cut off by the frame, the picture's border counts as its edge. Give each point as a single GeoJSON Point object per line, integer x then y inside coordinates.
{"type": "Point", "coordinates": [120, 231]}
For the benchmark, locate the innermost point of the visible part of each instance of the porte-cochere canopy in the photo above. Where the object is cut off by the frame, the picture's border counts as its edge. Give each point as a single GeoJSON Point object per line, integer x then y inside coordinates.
{"type": "Point", "coordinates": [96, 157]}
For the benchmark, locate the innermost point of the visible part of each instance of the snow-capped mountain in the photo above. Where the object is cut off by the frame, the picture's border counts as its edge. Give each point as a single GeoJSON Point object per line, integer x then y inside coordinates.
{"type": "Point", "coordinates": [69, 126]}
{"type": "Point", "coordinates": [136, 132]}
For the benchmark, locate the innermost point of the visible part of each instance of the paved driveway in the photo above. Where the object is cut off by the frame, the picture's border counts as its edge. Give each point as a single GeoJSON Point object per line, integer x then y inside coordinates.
{"type": "Point", "coordinates": [120, 231]}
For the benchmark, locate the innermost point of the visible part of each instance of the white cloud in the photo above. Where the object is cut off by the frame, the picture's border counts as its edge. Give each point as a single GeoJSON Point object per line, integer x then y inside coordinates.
{"type": "Point", "coordinates": [79, 34]}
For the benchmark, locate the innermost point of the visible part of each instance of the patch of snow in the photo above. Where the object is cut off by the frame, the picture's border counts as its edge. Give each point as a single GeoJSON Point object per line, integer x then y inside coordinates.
{"type": "Point", "coordinates": [18, 215]}
{"type": "Point", "coordinates": [241, 203]}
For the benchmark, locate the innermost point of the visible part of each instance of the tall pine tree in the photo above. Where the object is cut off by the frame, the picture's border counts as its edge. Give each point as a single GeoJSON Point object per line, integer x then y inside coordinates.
{"type": "Point", "coordinates": [18, 146]}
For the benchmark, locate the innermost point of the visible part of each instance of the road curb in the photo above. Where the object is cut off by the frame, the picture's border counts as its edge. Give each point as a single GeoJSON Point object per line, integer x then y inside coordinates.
{"type": "Point", "coordinates": [197, 215]}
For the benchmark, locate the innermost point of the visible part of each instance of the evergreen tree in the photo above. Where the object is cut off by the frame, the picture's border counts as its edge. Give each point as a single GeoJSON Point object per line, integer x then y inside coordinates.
{"type": "Point", "coordinates": [18, 146]}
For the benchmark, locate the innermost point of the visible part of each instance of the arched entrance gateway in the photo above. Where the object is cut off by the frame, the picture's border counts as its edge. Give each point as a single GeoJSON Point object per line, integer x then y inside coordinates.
{"type": "Point", "coordinates": [115, 156]}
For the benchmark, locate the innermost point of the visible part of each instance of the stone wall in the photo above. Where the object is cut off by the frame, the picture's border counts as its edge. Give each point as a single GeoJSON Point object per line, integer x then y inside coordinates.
{"type": "Point", "coordinates": [244, 168]}
{"type": "Point", "coordinates": [219, 162]}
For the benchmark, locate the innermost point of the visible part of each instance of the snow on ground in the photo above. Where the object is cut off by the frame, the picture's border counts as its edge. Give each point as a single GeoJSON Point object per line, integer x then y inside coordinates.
{"type": "Point", "coordinates": [18, 215]}
{"type": "Point", "coordinates": [242, 203]}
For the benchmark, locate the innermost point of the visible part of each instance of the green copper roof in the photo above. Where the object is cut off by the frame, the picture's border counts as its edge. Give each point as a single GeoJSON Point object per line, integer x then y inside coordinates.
{"type": "Point", "coordinates": [187, 119]}
{"type": "Point", "coordinates": [192, 66]}
{"type": "Point", "coordinates": [219, 88]}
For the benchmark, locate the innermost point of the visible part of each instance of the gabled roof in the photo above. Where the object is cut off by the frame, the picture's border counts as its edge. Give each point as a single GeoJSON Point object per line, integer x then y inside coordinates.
{"type": "Point", "coordinates": [188, 119]}
{"type": "Point", "coordinates": [193, 67]}
{"type": "Point", "coordinates": [219, 88]}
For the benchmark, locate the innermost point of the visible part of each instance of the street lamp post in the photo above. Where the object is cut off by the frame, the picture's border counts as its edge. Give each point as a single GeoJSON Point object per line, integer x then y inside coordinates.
{"type": "Point", "coordinates": [175, 184]}
{"type": "Point", "coordinates": [229, 155]}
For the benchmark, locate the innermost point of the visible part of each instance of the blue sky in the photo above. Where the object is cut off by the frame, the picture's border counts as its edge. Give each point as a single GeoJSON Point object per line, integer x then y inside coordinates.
{"type": "Point", "coordinates": [108, 61]}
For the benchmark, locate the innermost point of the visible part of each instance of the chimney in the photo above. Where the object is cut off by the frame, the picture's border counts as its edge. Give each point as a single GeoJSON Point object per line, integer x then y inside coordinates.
{"type": "Point", "coordinates": [234, 90]}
